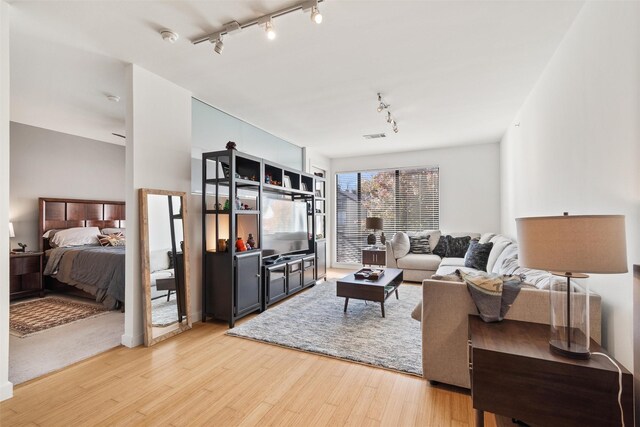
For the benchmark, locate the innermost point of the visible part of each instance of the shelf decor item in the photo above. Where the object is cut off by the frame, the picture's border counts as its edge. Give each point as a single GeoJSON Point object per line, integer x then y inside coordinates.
{"type": "Point", "coordinates": [240, 246]}
{"type": "Point", "coordinates": [373, 223]}
{"type": "Point", "coordinates": [569, 246]}
{"type": "Point", "coordinates": [251, 243]}
{"type": "Point", "coordinates": [286, 182]}
{"type": "Point", "coordinates": [231, 145]}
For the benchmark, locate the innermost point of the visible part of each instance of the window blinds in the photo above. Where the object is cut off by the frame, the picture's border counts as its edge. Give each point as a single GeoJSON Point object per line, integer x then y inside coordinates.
{"type": "Point", "coordinates": [406, 199]}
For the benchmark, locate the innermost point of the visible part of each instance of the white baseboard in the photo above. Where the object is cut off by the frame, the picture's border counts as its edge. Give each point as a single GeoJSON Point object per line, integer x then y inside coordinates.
{"type": "Point", "coordinates": [6, 391]}
{"type": "Point", "coordinates": [132, 341]}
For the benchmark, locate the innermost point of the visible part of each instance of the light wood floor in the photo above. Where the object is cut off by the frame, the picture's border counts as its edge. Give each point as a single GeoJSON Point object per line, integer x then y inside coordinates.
{"type": "Point", "coordinates": [203, 377]}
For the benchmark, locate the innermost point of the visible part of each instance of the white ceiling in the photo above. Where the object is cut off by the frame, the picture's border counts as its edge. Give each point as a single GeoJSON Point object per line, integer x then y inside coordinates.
{"type": "Point", "coordinates": [454, 72]}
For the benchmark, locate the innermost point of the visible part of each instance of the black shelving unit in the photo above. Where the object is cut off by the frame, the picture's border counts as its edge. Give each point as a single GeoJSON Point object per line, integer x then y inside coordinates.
{"type": "Point", "coordinates": [236, 283]}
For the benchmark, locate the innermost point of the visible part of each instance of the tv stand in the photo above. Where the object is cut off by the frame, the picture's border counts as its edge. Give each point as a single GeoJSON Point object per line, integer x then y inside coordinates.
{"type": "Point", "coordinates": [237, 282]}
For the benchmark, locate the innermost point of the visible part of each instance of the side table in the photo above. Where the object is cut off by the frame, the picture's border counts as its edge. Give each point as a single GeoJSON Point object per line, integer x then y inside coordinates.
{"type": "Point", "coordinates": [514, 374]}
{"type": "Point", "coordinates": [374, 256]}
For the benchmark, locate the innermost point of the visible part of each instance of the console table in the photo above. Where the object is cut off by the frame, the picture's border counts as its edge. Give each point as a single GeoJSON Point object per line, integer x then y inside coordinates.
{"type": "Point", "coordinates": [513, 373]}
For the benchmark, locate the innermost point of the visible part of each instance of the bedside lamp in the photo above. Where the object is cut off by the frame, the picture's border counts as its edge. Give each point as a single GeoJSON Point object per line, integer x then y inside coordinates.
{"type": "Point", "coordinates": [373, 223]}
{"type": "Point", "coordinates": [569, 246]}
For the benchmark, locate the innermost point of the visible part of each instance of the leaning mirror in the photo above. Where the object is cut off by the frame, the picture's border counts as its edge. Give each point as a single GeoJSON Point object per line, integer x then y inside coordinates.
{"type": "Point", "coordinates": [164, 255]}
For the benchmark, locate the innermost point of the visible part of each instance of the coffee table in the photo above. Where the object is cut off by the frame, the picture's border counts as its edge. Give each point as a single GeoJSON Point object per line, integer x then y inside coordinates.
{"type": "Point", "coordinates": [369, 290]}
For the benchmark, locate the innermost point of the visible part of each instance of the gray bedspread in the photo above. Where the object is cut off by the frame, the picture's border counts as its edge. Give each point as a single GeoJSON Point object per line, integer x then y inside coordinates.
{"type": "Point", "coordinates": [97, 269]}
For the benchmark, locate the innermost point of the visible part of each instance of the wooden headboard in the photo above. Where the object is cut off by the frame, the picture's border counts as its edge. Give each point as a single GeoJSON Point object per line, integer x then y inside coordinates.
{"type": "Point", "coordinates": [67, 213]}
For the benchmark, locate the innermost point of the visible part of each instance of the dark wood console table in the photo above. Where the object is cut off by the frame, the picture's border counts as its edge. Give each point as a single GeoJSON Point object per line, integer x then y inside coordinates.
{"type": "Point", "coordinates": [513, 373]}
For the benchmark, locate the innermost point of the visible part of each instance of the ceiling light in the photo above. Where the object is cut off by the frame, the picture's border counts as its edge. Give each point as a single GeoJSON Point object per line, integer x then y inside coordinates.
{"type": "Point", "coordinates": [268, 27]}
{"type": "Point", "coordinates": [218, 46]}
{"type": "Point", "coordinates": [316, 16]}
{"type": "Point", "coordinates": [169, 36]}
{"type": "Point", "coordinates": [384, 106]}
{"type": "Point", "coordinates": [113, 98]}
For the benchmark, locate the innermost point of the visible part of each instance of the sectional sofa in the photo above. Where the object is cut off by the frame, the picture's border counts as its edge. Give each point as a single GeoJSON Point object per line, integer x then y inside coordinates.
{"type": "Point", "coordinates": [447, 304]}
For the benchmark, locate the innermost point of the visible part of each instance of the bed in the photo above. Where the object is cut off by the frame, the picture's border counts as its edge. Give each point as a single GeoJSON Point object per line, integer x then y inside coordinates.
{"type": "Point", "coordinates": [90, 271]}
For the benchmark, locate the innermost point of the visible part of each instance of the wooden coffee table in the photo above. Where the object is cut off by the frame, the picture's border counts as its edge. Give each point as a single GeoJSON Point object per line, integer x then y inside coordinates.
{"type": "Point", "coordinates": [369, 290]}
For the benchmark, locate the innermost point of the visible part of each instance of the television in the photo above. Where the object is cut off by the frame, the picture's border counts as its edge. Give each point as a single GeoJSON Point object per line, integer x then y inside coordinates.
{"type": "Point", "coordinates": [284, 226]}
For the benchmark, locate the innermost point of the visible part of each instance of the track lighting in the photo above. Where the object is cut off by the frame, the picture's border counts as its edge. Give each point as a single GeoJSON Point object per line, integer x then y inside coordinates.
{"type": "Point", "coordinates": [268, 27]}
{"type": "Point", "coordinates": [219, 45]}
{"type": "Point", "coordinates": [384, 106]}
{"type": "Point", "coordinates": [267, 20]}
{"type": "Point", "coordinates": [316, 16]}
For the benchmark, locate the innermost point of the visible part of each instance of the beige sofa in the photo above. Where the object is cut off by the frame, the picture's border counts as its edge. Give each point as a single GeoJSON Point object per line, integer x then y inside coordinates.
{"type": "Point", "coordinates": [445, 310]}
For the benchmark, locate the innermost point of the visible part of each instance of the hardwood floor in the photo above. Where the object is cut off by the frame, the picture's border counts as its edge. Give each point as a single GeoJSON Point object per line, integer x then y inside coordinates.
{"type": "Point", "coordinates": [203, 377]}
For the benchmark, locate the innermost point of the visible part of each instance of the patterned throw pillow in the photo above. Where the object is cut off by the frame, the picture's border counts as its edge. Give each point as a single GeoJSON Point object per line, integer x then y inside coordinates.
{"type": "Point", "coordinates": [441, 247]}
{"type": "Point", "coordinates": [419, 244]}
{"type": "Point", "coordinates": [115, 239]}
{"type": "Point", "coordinates": [477, 255]}
{"type": "Point", "coordinates": [457, 246]}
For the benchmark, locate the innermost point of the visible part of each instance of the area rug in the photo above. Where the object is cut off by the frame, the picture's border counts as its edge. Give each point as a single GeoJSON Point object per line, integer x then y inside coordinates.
{"type": "Point", "coordinates": [34, 316]}
{"type": "Point", "coordinates": [163, 312]}
{"type": "Point", "coordinates": [314, 321]}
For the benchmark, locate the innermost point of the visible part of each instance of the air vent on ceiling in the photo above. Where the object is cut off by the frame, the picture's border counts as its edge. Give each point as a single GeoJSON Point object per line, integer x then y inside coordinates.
{"type": "Point", "coordinates": [374, 136]}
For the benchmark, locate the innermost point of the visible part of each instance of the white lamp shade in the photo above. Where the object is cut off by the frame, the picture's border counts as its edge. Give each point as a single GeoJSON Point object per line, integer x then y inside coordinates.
{"type": "Point", "coordinates": [11, 232]}
{"type": "Point", "coordinates": [573, 243]}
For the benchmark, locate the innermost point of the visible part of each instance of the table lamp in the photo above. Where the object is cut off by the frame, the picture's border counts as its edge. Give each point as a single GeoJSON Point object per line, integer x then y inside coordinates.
{"type": "Point", "coordinates": [569, 246]}
{"type": "Point", "coordinates": [373, 223]}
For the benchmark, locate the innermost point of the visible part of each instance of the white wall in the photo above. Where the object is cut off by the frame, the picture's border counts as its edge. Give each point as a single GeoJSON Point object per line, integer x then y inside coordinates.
{"type": "Point", "coordinates": [158, 155]}
{"type": "Point", "coordinates": [469, 183]}
{"type": "Point", "coordinates": [6, 388]}
{"type": "Point", "coordinates": [45, 163]}
{"type": "Point", "coordinates": [577, 146]}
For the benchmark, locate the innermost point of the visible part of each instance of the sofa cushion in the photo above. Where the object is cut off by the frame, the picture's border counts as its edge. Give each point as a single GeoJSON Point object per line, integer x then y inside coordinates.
{"type": "Point", "coordinates": [419, 262]}
{"type": "Point", "coordinates": [445, 270]}
{"type": "Point", "coordinates": [400, 244]}
{"type": "Point", "coordinates": [477, 255]}
{"type": "Point", "coordinates": [510, 252]}
{"type": "Point", "coordinates": [538, 278]}
{"type": "Point", "coordinates": [419, 244]}
{"type": "Point", "coordinates": [457, 246]}
{"type": "Point", "coordinates": [486, 237]}
{"type": "Point", "coordinates": [499, 244]}
{"type": "Point", "coordinates": [458, 262]}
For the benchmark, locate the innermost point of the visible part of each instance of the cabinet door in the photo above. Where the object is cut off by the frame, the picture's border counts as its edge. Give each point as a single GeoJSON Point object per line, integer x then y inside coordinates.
{"type": "Point", "coordinates": [309, 273]}
{"type": "Point", "coordinates": [321, 259]}
{"type": "Point", "coordinates": [368, 257]}
{"type": "Point", "coordinates": [247, 284]}
{"type": "Point", "coordinates": [294, 278]}
{"type": "Point", "coordinates": [276, 282]}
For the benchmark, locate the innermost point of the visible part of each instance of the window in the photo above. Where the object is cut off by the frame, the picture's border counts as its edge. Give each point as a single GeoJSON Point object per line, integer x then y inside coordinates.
{"type": "Point", "coordinates": [406, 200]}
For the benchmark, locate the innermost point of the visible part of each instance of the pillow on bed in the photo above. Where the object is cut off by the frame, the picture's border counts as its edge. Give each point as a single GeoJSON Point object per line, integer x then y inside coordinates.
{"type": "Point", "coordinates": [107, 231]}
{"type": "Point", "coordinates": [49, 234]}
{"type": "Point", "coordinates": [76, 236]}
{"type": "Point", "coordinates": [115, 239]}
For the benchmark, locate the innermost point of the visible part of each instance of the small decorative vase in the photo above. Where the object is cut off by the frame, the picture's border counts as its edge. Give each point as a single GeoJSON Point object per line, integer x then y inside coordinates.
{"type": "Point", "coordinates": [240, 246]}
{"type": "Point", "coordinates": [251, 243]}
{"type": "Point", "coordinates": [383, 238]}
{"type": "Point", "coordinates": [222, 245]}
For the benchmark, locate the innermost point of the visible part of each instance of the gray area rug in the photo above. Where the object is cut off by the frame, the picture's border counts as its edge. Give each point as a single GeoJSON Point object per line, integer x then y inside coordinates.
{"type": "Point", "coordinates": [163, 312]}
{"type": "Point", "coordinates": [314, 321]}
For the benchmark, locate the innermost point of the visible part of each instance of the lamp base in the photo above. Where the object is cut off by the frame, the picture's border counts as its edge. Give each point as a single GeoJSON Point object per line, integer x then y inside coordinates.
{"type": "Point", "coordinates": [576, 351]}
{"type": "Point", "coordinates": [371, 239]}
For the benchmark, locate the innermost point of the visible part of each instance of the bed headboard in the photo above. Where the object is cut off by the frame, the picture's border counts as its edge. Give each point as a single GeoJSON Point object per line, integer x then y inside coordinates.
{"type": "Point", "coordinates": [67, 213]}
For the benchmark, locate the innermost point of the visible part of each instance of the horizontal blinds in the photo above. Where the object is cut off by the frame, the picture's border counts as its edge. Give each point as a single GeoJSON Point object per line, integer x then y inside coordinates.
{"type": "Point", "coordinates": [406, 200]}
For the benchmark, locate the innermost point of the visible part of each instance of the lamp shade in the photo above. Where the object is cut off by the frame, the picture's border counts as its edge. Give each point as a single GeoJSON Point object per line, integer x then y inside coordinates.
{"type": "Point", "coordinates": [11, 232]}
{"type": "Point", "coordinates": [573, 243]}
{"type": "Point", "coordinates": [373, 223]}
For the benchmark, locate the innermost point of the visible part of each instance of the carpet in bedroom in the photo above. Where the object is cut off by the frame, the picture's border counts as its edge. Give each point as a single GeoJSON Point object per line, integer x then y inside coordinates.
{"type": "Point", "coordinates": [56, 348]}
{"type": "Point", "coordinates": [30, 317]}
{"type": "Point", "coordinates": [314, 321]}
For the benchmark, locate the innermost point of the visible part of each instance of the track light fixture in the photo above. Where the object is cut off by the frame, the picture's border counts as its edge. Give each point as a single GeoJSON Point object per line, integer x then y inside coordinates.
{"type": "Point", "coordinates": [384, 106]}
{"type": "Point", "coordinates": [218, 46]}
{"type": "Point", "coordinates": [266, 20]}
{"type": "Point", "coordinates": [316, 16]}
{"type": "Point", "coordinates": [268, 27]}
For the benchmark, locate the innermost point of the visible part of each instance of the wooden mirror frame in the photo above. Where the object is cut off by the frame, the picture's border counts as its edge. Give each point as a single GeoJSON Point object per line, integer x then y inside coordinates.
{"type": "Point", "coordinates": [145, 269]}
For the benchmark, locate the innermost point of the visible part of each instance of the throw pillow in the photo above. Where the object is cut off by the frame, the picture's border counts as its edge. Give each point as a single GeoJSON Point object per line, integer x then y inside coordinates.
{"type": "Point", "coordinates": [477, 255]}
{"type": "Point", "coordinates": [419, 244]}
{"type": "Point", "coordinates": [457, 246]}
{"type": "Point", "coordinates": [400, 244]}
{"type": "Point", "coordinates": [441, 247]}
{"type": "Point", "coordinates": [170, 254]}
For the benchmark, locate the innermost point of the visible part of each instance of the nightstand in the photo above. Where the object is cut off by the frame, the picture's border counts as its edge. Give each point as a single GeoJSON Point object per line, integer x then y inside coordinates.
{"type": "Point", "coordinates": [515, 374]}
{"type": "Point", "coordinates": [25, 271]}
{"type": "Point", "coordinates": [374, 256]}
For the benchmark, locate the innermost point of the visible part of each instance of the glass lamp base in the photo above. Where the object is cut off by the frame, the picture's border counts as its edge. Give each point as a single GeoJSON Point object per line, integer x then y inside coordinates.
{"type": "Point", "coordinates": [575, 351]}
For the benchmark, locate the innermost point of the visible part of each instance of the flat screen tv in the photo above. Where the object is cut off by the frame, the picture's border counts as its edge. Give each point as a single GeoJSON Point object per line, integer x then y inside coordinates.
{"type": "Point", "coordinates": [284, 226]}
